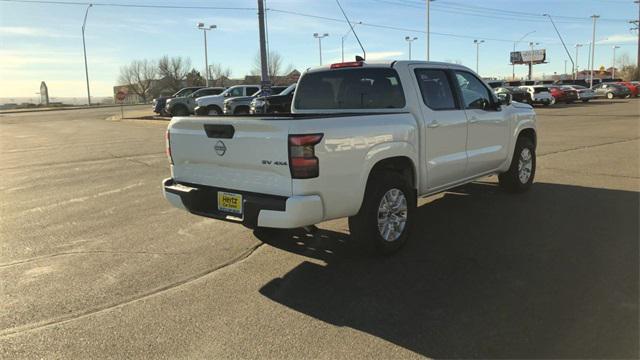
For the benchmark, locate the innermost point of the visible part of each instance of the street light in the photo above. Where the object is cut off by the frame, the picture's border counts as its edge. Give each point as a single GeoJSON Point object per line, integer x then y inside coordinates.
{"type": "Point", "coordinates": [513, 65]}
{"type": "Point", "coordinates": [410, 39]}
{"type": "Point", "coordinates": [204, 28]}
{"type": "Point", "coordinates": [428, 15]}
{"type": "Point", "coordinates": [478, 42]}
{"type": "Point", "coordinates": [531, 45]}
{"type": "Point", "coordinates": [320, 37]}
{"type": "Point", "coordinates": [84, 49]}
{"type": "Point", "coordinates": [575, 74]}
{"type": "Point", "coordinates": [613, 65]}
{"type": "Point", "coordinates": [593, 48]}
{"type": "Point", "coordinates": [346, 35]}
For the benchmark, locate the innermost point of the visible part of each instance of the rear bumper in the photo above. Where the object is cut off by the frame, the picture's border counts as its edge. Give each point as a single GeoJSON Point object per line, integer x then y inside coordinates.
{"type": "Point", "coordinates": [260, 210]}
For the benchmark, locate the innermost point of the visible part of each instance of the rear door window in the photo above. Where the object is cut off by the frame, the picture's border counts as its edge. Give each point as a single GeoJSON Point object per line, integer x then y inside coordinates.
{"type": "Point", "coordinates": [252, 90]}
{"type": "Point", "coordinates": [362, 88]}
{"type": "Point", "coordinates": [436, 90]}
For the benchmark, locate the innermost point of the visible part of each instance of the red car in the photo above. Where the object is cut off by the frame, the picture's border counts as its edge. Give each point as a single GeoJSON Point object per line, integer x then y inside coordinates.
{"type": "Point", "coordinates": [633, 88]}
{"type": "Point", "coordinates": [563, 95]}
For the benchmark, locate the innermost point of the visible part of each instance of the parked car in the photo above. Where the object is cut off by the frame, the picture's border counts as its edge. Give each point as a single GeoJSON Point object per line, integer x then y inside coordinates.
{"type": "Point", "coordinates": [160, 102]}
{"type": "Point", "coordinates": [495, 83]}
{"type": "Point", "coordinates": [240, 105]}
{"type": "Point", "coordinates": [539, 94]}
{"type": "Point", "coordinates": [564, 95]}
{"type": "Point", "coordinates": [632, 88]}
{"type": "Point", "coordinates": [214, 104]}
{"type": "Point", "coordinates": [185, 105]}
{"type": "Point", "coordinates": [584, 93]}
{"type": "Point", "coordinates": [611, 90]}
{"type": "Point", "coordinates": [274, 104]}
{"type": "Point", "coordinates": [517, 94]}
{"type": "Point", "coordinates": [363, 141]}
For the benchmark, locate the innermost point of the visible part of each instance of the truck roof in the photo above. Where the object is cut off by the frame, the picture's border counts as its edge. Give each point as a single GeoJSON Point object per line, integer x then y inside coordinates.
{"type": "Point", "coordinates": [391, 63]}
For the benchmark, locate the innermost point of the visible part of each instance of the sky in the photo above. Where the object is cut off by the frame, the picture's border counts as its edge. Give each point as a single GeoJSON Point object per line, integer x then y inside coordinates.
{"type": "Point", "coordinates": [43, 41]}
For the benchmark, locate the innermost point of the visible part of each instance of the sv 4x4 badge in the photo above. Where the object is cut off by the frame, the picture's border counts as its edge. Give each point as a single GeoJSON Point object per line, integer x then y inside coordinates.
{"type": "Point", "coordinates": [269, 162]}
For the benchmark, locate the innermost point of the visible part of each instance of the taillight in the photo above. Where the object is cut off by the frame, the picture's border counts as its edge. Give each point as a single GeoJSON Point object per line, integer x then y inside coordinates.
{"type": "Point", "coordinates": [302, 156]}
{"type": "Point", "coordinates": [167, 138]}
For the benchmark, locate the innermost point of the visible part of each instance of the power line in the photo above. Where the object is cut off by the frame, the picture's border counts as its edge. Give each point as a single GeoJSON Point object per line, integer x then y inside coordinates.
{"type": "Point", "coordinates": [130, 5]}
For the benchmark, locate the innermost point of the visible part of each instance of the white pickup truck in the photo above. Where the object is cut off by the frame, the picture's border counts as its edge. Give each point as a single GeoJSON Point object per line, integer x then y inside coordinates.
{"type": "Point", "coordinates": [363, 141]}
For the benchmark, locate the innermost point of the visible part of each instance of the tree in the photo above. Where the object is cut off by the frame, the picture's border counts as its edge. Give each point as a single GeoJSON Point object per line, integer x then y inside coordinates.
{"type": "Point", "coordinates": [173, 72]}
{"type": "Point", "coordinates": [275, 66]}
{"type": "Point", "coordinates": [219, 74]}
{"type": "Point", "coordinates": [194, 78]}
{"type": "Point", "coordinates": [139, 76]}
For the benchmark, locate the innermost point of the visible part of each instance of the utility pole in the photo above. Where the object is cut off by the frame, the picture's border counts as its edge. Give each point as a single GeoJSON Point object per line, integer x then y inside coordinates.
{"type": "Point", "coordinates": [575, 74]}
{"type": "Point", "coordinates": [593, 48]}
{"type": "Point", "coordinates": [409, 39]}
{"type": "Point", "coordinates": [637, 24]}
{"type": "Point", "coordinates": [531, 44]}
{"type": "Point", "coordinates": [265, 83]}
{"type": "Point", "coordinates": [613, 62]}
{"type": "Point", "coordinates": [513, 65]}
{"type": "Point", "coordinates": [204, 29]}
{"type": "Point", "coordinates": [478, 42]}
{"type": "Point", "coordinates": [428, 15]}
{"type": "Point", "coordinates": [84, 48]}
{"type": "Point", "coordinates": [320, 37]}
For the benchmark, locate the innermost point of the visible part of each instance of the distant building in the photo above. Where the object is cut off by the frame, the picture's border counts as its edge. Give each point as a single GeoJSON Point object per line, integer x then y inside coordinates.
{"type": "Point", "coordinates": [44, 94]}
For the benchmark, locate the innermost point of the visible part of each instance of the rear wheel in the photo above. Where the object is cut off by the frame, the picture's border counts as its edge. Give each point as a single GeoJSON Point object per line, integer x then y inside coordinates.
{"type": "Point", "coordinates": [520, 175]}
{"type": "Point", "coordinates": [384, 222]}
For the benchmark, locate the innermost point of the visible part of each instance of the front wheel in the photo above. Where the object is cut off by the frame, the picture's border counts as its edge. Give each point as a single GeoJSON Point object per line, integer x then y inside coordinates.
{"type": "Point", "coordinates": [384, 222]}
{"type": "Point", "coordinates": [520, 175]}
{"type": "Point", "coordinates": [609, 96]}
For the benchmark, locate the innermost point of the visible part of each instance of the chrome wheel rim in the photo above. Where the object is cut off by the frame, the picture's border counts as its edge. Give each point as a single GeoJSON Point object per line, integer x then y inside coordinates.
{"type": "Point", "coordinates": [525, 165]}
{"type": "Point", "coordinates": [392, 215]}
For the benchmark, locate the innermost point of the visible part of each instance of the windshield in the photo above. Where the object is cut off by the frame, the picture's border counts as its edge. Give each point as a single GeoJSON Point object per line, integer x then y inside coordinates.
{"type": "Point", "coordinates": [540, 89]}
{"type": "Point", "coordinates": [184, 92]}
{"type": "Point", "coordinates": [354, 88]}
{"type": "Point", "coordinates": [288, 90]}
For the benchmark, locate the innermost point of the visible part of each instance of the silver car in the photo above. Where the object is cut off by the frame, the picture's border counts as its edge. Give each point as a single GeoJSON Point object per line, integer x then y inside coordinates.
{"type": "Point", "coordinates": [584, 93]}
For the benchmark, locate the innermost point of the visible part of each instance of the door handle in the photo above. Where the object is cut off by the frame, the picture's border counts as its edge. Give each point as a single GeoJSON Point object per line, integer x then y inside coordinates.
{"type": "Point", "coordinates": [433, 124]}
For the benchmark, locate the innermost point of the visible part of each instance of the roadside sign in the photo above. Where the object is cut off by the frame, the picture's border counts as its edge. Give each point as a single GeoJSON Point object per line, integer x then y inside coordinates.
{"type": "Point", "coordinates": [527, 57]}
{"type": "Point", "coordinates": [121, 95]}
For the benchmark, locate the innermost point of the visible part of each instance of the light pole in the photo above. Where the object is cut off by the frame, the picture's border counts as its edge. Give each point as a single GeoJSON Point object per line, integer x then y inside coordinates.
{"type": "Point", "coordinates": [410, 39]}
{"type": "Point", "coordinates": [613, 64]}
{"type": "Point", "coordinates": [513, 65]}
{"type": "Point", "coordinates": [478, 42]}
{"type": "Point", "coordinates": [320, 37]}
{"type": "Point", "coordinates": [204, 29]}
{"type": "Point", "coordinates": [428, 15]}
{"type": "Point", "coordinates": [593, 48]}
{"type": "Point", "coordinates": [531, 45]}
{"type": "Point", "coordinates": [575, 74]}
{"type": "Point", "coordinates": [84, 49]}
{"type": "Point", "coordinates": [347, 35]}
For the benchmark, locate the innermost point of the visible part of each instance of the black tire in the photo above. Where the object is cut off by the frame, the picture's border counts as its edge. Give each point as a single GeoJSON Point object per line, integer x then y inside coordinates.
{"type": "Point", "coordinates": [511, 180]}
{"type": "Point", "coordinates": [610, 96]}
{"type": "Point", "coordinates": [585, 100]}
{"type": "Point", "coordinates": [213, 110]}
{"type": "Point", "coordinates": [546, 104]}
{"type": "Point", "coordinates": [241, 110]}
{"type": "Point", "coordinates": [365, 234]}
{"type": "Point", "coordinates": [180, 111]}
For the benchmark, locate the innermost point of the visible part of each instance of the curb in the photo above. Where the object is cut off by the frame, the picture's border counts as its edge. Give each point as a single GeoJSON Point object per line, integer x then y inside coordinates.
{"type": "Point", "coordinates": [18, 111]}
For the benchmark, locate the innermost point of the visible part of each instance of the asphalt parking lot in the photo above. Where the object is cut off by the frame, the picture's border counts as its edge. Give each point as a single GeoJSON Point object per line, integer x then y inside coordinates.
{"type": "Point", "coordinates": [94, 263]}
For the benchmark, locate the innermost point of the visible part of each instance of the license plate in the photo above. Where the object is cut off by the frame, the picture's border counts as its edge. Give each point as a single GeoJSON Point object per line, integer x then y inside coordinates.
{"type": "Point", "coordinates": [230, 202]}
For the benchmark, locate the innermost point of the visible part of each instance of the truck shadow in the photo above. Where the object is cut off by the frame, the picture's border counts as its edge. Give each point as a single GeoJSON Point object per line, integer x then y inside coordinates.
{"type": "Point", "coordinates": [549, 273]}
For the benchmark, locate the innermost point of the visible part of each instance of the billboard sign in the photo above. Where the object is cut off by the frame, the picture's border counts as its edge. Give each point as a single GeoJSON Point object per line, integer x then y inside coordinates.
{"type": "Point", "coordinates": [527, 57]}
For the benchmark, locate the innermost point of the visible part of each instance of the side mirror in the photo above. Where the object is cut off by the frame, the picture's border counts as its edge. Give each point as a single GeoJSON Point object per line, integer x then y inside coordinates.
{"type": "Point", "coordinates": [505, 99]}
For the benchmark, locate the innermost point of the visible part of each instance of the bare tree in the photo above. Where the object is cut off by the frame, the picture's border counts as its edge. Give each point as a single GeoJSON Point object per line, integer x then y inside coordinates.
{"type": "Point", "coordinates": [275, 66]}
{"type": "Point", "coordinates": [139, 77]}
{"type": "Point", "coordinates": [219, 74]}
{"type": "Point", "coordinates": [173, 71]}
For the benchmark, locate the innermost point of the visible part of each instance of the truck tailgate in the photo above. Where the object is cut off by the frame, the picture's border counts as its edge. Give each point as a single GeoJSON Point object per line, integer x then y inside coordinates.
{"type": "Point", "coordinates": [235, 153]}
